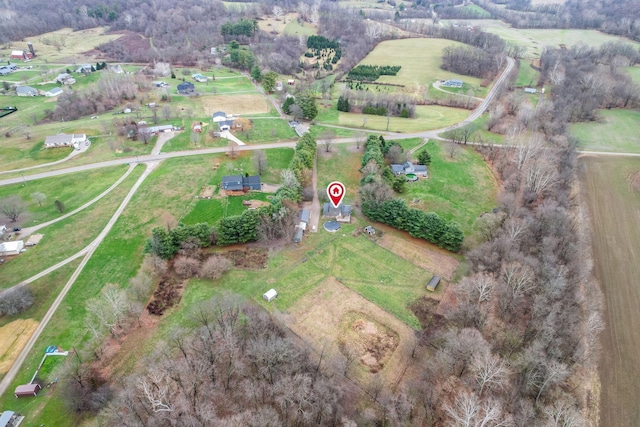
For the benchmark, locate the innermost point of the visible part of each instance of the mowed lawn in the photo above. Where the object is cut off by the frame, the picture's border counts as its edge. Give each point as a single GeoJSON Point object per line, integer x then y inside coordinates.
{"type": "Point", "coordinates": [458, 188]}
{"type": "Point", "coordinates": [527, 76]}
{"type": "Point", "coordinates": [420, 60]}
{"type": "Point", "coordinates": [64, 238]}
{"type": "Point", "coordinates": [63, 188]}
{"type": "Point", "coordinates": [428, 117]}
{"type": "Point", "coordinates": [618, 131]}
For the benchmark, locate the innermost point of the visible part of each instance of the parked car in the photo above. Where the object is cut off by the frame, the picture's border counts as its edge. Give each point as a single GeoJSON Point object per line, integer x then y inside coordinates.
{"type": "Point", "coordinates": [17, 229]}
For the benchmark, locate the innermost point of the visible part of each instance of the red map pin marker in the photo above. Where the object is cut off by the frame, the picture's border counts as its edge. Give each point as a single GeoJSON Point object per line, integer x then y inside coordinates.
{"type": "Point", "coordinates": [336, 191]}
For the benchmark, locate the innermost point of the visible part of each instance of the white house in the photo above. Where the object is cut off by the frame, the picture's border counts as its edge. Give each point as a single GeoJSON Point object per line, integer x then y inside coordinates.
{"type": "Point", "coordinates": [11, 248]}
{"type": "Point", "coordinates": [53, 92]}
{"type": "Point", "coordinates": [530, 90]}
{"type": "Point", "coordinates": [65, 140]}
{"type": "Point", "coordinates": [270, 295]}
{"type": "Point", "coordinates": [219, 116]}
{"type": "Point", "coordinates": [84, 68]}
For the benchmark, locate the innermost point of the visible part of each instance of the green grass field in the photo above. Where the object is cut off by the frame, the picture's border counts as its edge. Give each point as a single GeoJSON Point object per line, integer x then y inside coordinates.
{"type": "Point", "coordinates": [392, 285]}
{"type": "Point", "coordinates": [267, 130]}
{"type": "Point", "coordinates": [527, 76]}
{"type": "Point", "coordinates": [66, 237]}
{"type": "Point", "coordinates": [300, 28]}
{"type": "Point", "coordinates": [115, 261]}
{"type": "Point", "coordinates": [63, 188]}
{"type": "Point", "coordinates": [616, 131]}
{"type": "Point", "coordinates": [481, 133]}
{"type": "Point", "coordinates": [213, 210]}
{"type": "Point", "coordinates": [457, 189]}
{"type": "Point", "coordinates": [420, 60]}
{"type": "Point", "coordinates": [535, 40]}
{"type": "Point", "coordinates": [634, 72]}
{"type": "Point", "coordinates": [428, 117]}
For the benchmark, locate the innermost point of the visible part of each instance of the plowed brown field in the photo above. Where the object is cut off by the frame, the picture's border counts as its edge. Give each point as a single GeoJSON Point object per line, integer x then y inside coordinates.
{"type": "Point", "coordinates": [614, 204]}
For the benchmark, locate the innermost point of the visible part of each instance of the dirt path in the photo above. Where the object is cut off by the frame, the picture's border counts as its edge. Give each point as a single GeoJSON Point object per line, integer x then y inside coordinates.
{"type": "Point", "coordinates": [314, 219]}
{"type": "Point", "coordinates": [614, 206]}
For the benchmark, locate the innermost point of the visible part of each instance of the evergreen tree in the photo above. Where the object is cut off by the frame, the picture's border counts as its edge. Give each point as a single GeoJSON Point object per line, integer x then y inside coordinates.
{"type": "Point", "coordinates": [308, 105]}
{"type": "Point", "coordinates": [256, 74]}
{"type": "Point", "coordinates": [424, 158]}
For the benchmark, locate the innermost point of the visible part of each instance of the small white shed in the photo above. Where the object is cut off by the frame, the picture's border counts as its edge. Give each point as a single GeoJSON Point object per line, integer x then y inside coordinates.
{"type": "Point", "coordinates": [270, 295]}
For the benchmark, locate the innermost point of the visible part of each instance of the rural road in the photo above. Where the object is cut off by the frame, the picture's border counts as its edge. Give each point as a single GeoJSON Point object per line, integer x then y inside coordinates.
{"type": "Point", "coordinates": [152, 160]}
{"type": "Point", "coordinates": [475, 114]}
{"type": "Point", "coordinates": [88, 253]}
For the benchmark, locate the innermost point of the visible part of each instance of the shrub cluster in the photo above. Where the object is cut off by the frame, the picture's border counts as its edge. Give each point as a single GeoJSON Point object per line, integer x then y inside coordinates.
{"type": "Point", "coordinates": [371, 73]}
{"type": "Point", "coordinates": [244, 27]}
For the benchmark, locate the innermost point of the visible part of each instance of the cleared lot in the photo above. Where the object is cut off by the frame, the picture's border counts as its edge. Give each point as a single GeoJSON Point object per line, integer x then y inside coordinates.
{"type": "Point", "coordinates": [612, 191]}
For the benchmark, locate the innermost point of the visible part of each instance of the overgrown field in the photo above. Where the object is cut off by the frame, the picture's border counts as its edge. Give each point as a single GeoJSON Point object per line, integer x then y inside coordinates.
{"type": "Point", "coordinates": [612, 191]}
{"type": "Point", "coordinates": [616, 131]}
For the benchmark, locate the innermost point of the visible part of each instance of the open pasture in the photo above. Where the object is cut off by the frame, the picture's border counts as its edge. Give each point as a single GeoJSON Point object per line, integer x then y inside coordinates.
{"type": "Point", "coordinates": [420, 60]}
{"type": "Point", "coordinates": [536, 39]}
{"type": "Point", "coordinates": [617, 130]}
{"type": "Point", "coordinates": [65, 45]}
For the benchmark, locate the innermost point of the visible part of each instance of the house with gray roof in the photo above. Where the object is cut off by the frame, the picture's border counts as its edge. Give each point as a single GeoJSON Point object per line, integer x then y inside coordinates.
{"type": "Point", "coordinates": [341, 214]}
{"type": "Point", "coordinates": [241, 183]}
{"type": "Point", "coordinates": [26, 91]}
{"type": "Point", "coordinates": [409, 167]}
{"type": "Point", "coordinates": [64, 140]}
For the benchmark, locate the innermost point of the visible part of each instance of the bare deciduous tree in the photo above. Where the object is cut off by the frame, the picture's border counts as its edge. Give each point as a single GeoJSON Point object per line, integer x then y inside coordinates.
{"type": "Point", "coordinates": [327, 138]}
{"type": "Point", "coordinates": [12, 207]}
{"type": "Point", "coordinates": [260, 161]}
{"type": "Point", "coordinates": [38, 197]}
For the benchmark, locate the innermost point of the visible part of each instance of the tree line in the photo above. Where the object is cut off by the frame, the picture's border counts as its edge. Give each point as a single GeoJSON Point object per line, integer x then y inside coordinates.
{"type": "Point", "coordinates": [371, 73]}
{"type": "Point", "coordinates": [379, 203]}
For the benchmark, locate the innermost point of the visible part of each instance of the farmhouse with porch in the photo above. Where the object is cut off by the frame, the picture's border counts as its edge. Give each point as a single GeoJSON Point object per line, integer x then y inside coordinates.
{"type": "Point", "coordinates": [65, 140]}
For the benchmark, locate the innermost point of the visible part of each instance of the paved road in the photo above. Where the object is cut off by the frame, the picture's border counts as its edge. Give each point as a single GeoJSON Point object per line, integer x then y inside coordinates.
{"type": "Point", "coordinates": [88, 253]}
{"type": "Point", "coordinates": [475, 114]}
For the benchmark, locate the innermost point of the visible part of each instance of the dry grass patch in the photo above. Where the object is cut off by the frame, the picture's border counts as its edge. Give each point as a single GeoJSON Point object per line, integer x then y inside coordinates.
{"type": "Point", "coordinates": [13, 337]}
{"type": "Point", "coordinates": [236, 104]}
{"type": "Point", "coordinates": [338, 317]}
{"type": "Point", "coordinates": [418, 252]}
{"type": "Point", "coordinates": [65, 45]}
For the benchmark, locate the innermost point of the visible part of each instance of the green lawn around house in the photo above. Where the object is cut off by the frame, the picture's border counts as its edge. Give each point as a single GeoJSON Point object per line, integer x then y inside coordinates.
{"type": "Point", "coordinates": [458, 188]}
{"type": "Point", "coordinates": [616, 130]}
